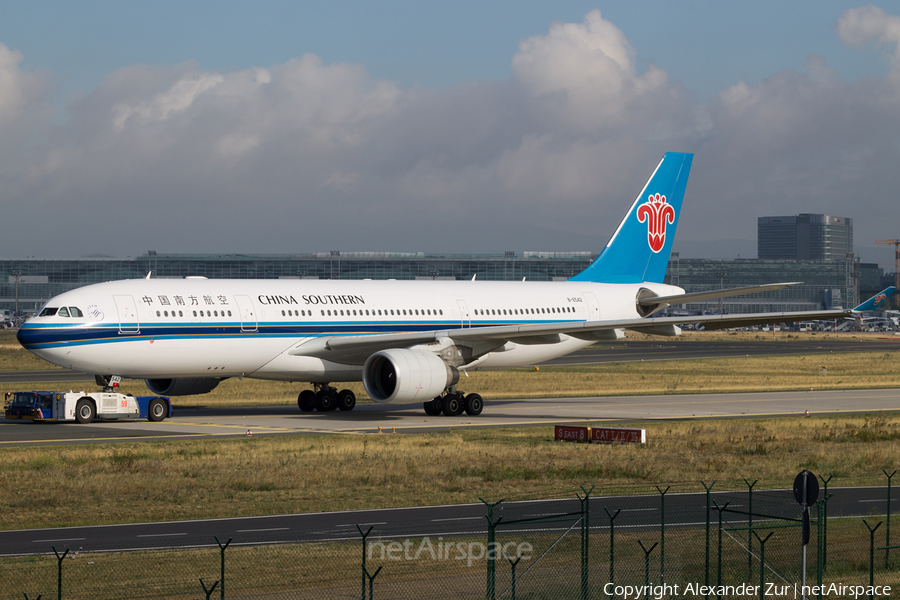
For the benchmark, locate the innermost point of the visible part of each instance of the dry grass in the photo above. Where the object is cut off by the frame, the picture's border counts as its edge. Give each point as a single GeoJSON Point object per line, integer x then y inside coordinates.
{"type": "Point", "coordinates": [48, 486]}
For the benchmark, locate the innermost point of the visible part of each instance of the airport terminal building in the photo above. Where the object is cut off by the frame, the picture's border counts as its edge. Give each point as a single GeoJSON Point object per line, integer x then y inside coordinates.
{"type": "Point", "coordinates": [28, 283]}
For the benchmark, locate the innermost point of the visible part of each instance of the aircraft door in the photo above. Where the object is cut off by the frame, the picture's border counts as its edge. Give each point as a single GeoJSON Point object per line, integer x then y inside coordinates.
{"type": "Point", "coordinates": [248, 313]}
{"type": "Point", "coordinates": [128, 319]}
{"type": "Point", "coordinates": [592, 305]}
{"type": "Point", "coordinates": [464, 319]}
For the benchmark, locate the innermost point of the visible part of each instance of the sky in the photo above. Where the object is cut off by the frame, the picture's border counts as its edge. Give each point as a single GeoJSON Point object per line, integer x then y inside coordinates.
{"type": "Point", "coordinates": [293, 127]}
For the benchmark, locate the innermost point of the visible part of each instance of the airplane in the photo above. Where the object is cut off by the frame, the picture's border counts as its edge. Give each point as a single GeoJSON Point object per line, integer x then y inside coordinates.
{"type": "Point", "coordinates": [407, 341]}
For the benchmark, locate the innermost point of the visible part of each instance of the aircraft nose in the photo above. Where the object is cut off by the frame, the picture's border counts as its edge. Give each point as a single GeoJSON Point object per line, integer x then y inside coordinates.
{"type": "Point", "coordinates": [27, 336]}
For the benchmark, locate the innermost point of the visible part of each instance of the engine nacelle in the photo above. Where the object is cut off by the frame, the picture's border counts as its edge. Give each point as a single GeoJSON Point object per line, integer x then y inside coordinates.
{"type": "Point", "coordinates": [400, 375]}
{"type": "Point", "coordinates": [186, 386]}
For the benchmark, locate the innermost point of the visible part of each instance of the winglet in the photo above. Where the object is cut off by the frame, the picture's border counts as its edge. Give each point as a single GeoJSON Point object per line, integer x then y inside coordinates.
{"type": "Point", "coordinates": [875, 301]}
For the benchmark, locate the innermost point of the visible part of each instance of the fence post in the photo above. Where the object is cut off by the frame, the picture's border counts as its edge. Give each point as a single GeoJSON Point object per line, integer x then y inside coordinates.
{"type": "Point", "coordinates": [490, 593]}
{"type": "Point", "coordinates": [612, 544]}
{"type": "Point", "coordinates": [719, 560]}
{"type": "Point", "coordinates": [59, 562]}
{"type": "Point", "coordinates": [708, 490]}
{"type": "Point", "coordinates": [825, 524]}
{"type": "Point", "coordinates": [887, 549]}
{"type": "Point", "coordinates": [513, 564]}
{"type": "Point", "coordinates": [872, 531]}
{"type": "Point", "coordinates": [662, 532]}
{"type": "Point", "coordinates": [762, 562]}
{"type": "Point", "coordinates": [585, 540]}
{"type": "Point", "coordinates": [365, 555]}
{"type": "Point", "coordinates": [372, 581]}
{"type": "Point", "coordinates": [647, 567]}
{"type": "Point", "coordinates": [750, 526]}
{"type": "Point", "coordinates": [222, 574]}
{"type": "Point", "coordinates": [209, 591]}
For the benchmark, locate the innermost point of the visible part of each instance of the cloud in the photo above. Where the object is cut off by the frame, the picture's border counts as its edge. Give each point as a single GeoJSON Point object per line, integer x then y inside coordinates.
{"type": "Point", "coordinates": [24, 108]}
{"type": "Point", "coordinates": [859, 26]}
{"type": "Point", "coordinates": [586, 71]}
{"type": "Point", "coordinates": [306, 156]}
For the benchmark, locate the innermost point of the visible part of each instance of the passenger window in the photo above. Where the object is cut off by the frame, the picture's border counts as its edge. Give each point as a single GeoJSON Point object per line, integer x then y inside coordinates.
{"type": "Point", "coordinates": [63, 312]}
{"type": "Point", "coordinates": [158, 314]}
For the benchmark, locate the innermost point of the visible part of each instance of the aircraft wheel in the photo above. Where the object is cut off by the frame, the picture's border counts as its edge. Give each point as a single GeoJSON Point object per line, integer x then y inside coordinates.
{"type": "Point", "coordinates": [324, 401]}
{"type": "Point", "coordinates": [474, 405]}
{"type": "Point", "coordinates": [433, 407]}
{"type": "Point", "coordinates": [85, 411]}
{"type": "Point", "coordinates": [453, 405]}
{"type": "Point", "coordinates": [307, 401]}
{"type": "Point", "coordinates": [157, 410]}
{"type": "Point", "coordinates": [346, 400]}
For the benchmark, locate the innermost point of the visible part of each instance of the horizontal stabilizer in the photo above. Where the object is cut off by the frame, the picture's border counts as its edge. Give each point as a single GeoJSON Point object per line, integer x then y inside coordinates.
{"type": "Point", "coordinates": [661, 302]}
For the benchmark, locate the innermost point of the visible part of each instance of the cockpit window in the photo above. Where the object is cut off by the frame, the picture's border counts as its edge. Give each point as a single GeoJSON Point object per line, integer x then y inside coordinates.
{"type": "Point", "coordinates": [74, 311]}
{"type": "Point", "coordinates": [48, 312]}
{"type": "Point", "coordinates": [63, 312]}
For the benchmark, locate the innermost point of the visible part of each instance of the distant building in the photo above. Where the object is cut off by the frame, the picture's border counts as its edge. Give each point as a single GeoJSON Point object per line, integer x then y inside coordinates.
{"type": "Point", "coordinates": [804, 237]}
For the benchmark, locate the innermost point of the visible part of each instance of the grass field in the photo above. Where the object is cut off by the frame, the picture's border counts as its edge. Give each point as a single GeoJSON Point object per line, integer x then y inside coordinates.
{"type": "Point", "coordinates": [48, 486]}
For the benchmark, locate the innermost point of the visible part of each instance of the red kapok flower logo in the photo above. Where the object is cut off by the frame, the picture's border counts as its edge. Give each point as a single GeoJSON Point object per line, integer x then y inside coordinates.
{"type": "Point", "coordinates": [657, 212]}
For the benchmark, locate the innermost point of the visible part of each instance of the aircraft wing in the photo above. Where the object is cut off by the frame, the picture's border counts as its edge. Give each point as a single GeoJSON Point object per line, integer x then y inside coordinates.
{"type": "Point", "coordinates": [355, 349]}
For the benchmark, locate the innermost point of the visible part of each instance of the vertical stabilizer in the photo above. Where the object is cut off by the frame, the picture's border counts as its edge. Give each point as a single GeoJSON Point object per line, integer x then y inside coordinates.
{"type": "Point", "coordinates": [639, 249]}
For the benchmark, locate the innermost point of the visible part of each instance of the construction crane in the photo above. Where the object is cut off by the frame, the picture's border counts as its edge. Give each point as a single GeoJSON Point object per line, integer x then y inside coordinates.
{"type": "Point", "coordinates": [896, 245]}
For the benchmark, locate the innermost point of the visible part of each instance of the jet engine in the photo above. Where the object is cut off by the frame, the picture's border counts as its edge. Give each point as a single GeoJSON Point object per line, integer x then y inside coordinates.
{"type": "Point", "coordinates": [186, 386]}
{"type": "Point", "coordinates": [400, 375]}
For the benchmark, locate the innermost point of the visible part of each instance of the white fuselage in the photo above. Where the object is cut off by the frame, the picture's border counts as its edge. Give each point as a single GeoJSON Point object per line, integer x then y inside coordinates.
{"type": "Point", "coordinates": [155, 328]}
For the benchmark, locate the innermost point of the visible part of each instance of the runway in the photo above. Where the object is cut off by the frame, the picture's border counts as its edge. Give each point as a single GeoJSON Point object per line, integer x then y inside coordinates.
{"type": "Point", "coordinates": [368, 418]}
{"type": "Point", "coordinates": [640, 513]}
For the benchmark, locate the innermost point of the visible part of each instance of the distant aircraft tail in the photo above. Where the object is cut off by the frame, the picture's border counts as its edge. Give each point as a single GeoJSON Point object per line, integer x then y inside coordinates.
{"type": "Point", "coordinates": [639, 249]}
{"type": "Point", "coordinates": [876, 302]}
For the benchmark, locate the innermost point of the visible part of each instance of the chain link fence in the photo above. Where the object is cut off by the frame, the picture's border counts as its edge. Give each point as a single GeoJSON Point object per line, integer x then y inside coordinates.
{"type": "Point", "coordinates": [665, 541]}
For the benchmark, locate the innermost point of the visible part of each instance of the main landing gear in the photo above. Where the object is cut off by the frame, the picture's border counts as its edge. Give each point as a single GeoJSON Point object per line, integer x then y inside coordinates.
{"type": "Point", "coordinates": [325, 398]}
{"type": "Point", "coordinates": [454, 403]}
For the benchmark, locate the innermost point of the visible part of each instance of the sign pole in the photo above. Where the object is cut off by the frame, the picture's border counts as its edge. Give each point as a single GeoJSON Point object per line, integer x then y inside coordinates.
{"type": "Point", "coordinates": [806, 492]}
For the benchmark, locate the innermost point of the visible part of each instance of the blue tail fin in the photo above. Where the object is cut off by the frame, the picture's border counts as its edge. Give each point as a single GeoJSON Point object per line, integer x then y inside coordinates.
{"type": "Point", "coordinates": [876, 302]}
{"type": "Point", "coordinates": [639, 249]}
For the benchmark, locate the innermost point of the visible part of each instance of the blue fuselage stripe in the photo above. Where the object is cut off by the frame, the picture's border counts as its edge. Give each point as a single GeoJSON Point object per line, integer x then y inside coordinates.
{"type": "Point", "coordinates": [36, 337]}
